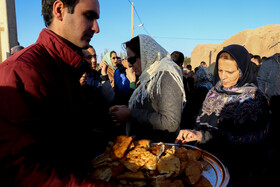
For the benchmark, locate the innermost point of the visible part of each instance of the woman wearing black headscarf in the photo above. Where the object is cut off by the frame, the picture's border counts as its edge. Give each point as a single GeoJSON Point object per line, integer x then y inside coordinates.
{"type": "Point", "coordinates": [233, 122]}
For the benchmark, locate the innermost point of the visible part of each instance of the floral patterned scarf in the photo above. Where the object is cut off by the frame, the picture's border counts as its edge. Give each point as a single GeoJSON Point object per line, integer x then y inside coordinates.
{"type": "Point", "coordinates": [238, 103]}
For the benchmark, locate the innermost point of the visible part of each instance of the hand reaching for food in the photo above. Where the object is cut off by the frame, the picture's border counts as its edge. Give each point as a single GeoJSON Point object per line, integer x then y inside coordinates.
{"type": "Point", "coordinates": [187, 135]}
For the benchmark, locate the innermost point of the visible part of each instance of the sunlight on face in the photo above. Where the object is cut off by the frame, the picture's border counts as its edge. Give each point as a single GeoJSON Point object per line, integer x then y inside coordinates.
{"type": "Point", "coordinates": [114, 59]}
{"type": "Point", "coordinates": [137, 65]}
{"type": "Point", "coordinates": [228, 72]}
{"type": "Point", "coordinates": [79, 27]}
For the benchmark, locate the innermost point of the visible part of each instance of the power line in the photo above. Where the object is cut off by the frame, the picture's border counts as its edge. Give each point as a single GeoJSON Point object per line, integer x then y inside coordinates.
{"type": "Point", "coordinates": [184, 38]}
{"type": "Point", "coordinates": [167, 37]}
{"type": "Point", "coordinates": [139, 18]}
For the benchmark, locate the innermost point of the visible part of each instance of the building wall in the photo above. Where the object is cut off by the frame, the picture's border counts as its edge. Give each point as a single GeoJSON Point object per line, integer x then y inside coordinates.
{"type": "Point", "coordinates": [263, 41]}
{"type": "Point", "coordinates": [8, 28]}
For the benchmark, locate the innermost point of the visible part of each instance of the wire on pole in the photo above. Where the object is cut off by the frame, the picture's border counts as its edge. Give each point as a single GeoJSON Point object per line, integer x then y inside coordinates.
{"type": "Point", "coordinates": [138, 17]}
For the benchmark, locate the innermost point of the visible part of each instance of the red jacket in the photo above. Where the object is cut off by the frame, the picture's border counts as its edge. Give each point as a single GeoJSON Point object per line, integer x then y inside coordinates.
{"type": "Point", "coordinates": [45, 140]}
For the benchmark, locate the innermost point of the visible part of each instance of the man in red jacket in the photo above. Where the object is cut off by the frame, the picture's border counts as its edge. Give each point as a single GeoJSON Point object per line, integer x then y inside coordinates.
{"type": "Point", "coordinates": [45, 137]}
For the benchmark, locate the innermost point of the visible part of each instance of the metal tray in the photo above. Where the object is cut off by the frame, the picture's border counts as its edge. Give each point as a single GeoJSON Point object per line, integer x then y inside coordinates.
{"type": "Point", "coordinates": [214, 170]}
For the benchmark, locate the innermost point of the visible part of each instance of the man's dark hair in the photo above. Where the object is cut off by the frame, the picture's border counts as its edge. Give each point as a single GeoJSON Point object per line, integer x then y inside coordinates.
{"type": "Point", "coordinates": [189, 67]}
{"type": "Point", "coordinates": [202, 63]}
{"type": "Point", "coordinates": [177, 57]}
{"type": "Point", "coordinates": [47, 7]}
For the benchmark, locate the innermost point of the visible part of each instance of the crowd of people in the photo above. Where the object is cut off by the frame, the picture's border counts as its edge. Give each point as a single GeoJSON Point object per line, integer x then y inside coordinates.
{"type": "Point", "coordinates": [59, 108]}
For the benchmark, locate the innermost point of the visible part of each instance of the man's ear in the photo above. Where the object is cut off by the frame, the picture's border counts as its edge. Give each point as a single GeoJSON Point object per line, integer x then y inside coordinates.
{"type": "Point", "coordinates": [58, 10]}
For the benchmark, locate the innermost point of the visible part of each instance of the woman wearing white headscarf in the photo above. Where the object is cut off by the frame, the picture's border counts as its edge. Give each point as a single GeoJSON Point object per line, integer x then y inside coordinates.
{"type": "Point", "coordinates": [155, 107]}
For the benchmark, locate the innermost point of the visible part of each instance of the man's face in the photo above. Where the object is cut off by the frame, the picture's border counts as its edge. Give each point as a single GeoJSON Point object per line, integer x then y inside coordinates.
{"type": "Point", "coordinates": [90, 56]}
{"type": "Point", "coordinates": [79, 27]}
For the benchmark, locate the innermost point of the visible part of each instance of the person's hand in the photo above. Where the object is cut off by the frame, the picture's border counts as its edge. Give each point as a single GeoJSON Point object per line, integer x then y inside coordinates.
{"type": "Point", "coordinates": [103, 67]}
{"type": "Point", "coordinates": [187, 135]}
{"type": "Point", "coordinates": [83, 79]}
{"type": "Point", "coordinates": [130, 74]}
{"type": "Point", "coordinates": [119, 113]}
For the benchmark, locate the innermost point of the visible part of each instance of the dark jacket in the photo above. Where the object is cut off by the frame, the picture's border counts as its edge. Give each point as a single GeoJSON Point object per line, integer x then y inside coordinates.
{"type": "Point", "coordinates": [269, 77]}
{"type": "Point", "coordinates": [45, 140]}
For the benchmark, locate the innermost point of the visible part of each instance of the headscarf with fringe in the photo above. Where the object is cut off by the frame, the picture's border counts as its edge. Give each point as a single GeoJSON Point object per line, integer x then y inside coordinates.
{"type": "Point", "coordinates": [154, 60]}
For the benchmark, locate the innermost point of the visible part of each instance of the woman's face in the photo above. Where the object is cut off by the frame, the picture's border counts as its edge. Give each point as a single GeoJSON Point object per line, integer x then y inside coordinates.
{"type": "Point", "coordinates": [114, 59]}
{"type": "Point", "coordinates": [135, 63]}
{"type": "Point", "coordinates": [228, 72]}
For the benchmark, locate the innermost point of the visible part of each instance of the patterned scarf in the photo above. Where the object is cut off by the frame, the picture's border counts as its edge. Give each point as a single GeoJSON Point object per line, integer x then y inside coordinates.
{"type": "Point", "coordinates": [229, 103]}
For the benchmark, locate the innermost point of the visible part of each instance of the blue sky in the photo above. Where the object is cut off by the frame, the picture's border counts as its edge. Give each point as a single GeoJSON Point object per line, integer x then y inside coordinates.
{"type": "Point", "coordinates": [175, 24]}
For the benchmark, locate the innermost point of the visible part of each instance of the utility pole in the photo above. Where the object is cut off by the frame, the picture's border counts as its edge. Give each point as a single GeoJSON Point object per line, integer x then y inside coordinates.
{"type": "Point", "coordinates": [132, 20]}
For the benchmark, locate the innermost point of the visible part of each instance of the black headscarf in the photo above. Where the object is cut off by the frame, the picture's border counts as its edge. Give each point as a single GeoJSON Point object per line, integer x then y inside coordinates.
{"type": "Point", "coordinates": [243, 60]}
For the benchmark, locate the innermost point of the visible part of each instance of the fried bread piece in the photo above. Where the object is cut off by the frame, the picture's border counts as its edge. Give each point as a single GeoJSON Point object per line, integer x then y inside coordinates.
{"type": "Point", "coordinates": [151, 164]}
{"type": "Point", "coordinates": [136, 158]}
{"type": "Point", "coordinates": [116, 167]}
{"type": "Point", "coordinates": [194, 154]}
{"type": "Point", "coordinates": [168, 164]}
{"type": "Point", "coordinates": [170, 149]}
{"type": "Point", "coordinates": [142, 143]}
{"type": "Point", "coordinates": [120, 146]}
{"type": "Point", "coordinates": [183, 165]}
{"type": "Point", "coordinates": [203, 182]}
{"type": "Point", "coordinates": [131, 146]}
{"type": "Point", "coordinates": [102, 160]}
{"type": "Point", "coordinates": [182, 154]}
{"type": "Point", "coordinates": [151, 174]}
{"type": "Point", "coordinates": [103, 173]}
{"type": "Point", "coordinates": [193, 171]}
{"type": "Point", "coordinates": [185, 154]}
{"type": "Point", "coordinates": [157, 149]}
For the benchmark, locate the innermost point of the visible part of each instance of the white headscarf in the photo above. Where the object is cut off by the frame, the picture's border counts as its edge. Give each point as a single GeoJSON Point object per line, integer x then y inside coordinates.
{"type": "Point", "coordinates": [154, 59]}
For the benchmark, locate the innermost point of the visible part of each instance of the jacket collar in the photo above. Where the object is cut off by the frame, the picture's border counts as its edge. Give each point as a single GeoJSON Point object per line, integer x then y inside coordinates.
{"type": "Point", "coordinates": [59, 48]}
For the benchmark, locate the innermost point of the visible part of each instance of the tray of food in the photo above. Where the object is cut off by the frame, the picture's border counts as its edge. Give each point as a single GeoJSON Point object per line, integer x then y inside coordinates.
{"type": "Point", "coordinates": [142, 163]}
